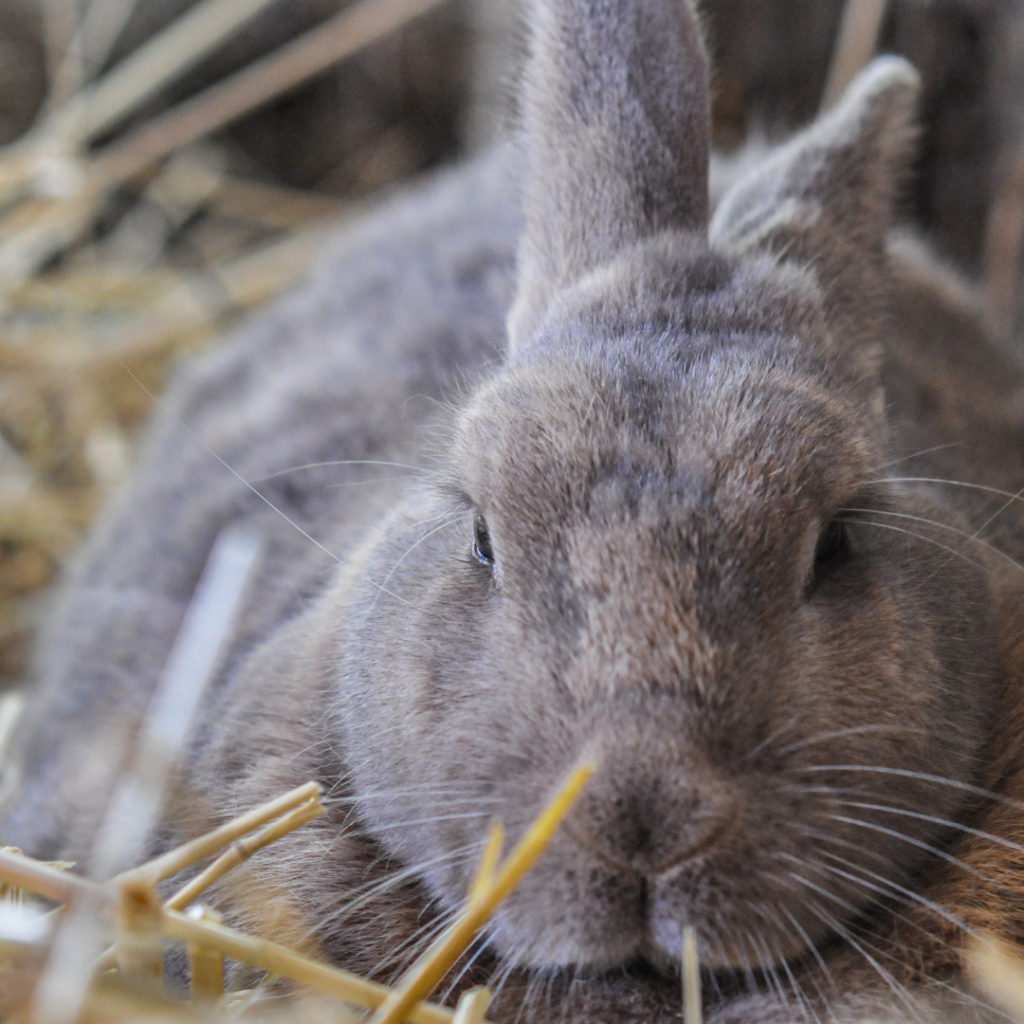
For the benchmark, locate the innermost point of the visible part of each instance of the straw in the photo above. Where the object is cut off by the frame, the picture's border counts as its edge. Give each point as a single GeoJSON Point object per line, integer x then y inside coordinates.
{"type": "Point", "coordinates": [424, 975]}
{"type": "Point", "coordinates": [693, 1010]}
{"type": "Point", "coordinates": [138, 943]}
{"type": "Point", "coordinates": [1004, 245]}
{"type": "Point", "coordinates": [356, 27]}
{"type": "Point", "coordinates": [241, 851]}
{"type": "Point", "coordinates": [472, 1008]}
{"type": "Point", "coordinates": [998, 971]}
{"type": "Point", "coordinates": [138, 797]}
{"type": "Point", "coordinates": [206, 966]}
{"type": "Point", "coordinates": [170, 863]}
{"type": "Point", "coordinates": [190, 666]}
{"type": "Point", "coordinates": [858, 35]}
{"type": "Point", "coordinates": [485, 872]}
{"type": "Point", "coordinates": [49, 882]}
{"type": "Point", "coordinates": [148, 69]}
{"type": "Point", "coordinates": [284, 963]}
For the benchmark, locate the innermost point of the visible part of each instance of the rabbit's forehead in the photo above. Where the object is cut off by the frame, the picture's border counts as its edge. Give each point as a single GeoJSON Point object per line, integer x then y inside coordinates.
{"type": "Point", "coordinates": [570, 441]}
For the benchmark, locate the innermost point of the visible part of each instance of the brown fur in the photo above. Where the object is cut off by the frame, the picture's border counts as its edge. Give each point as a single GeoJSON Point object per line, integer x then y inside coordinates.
{"type": "Point", "coordinates": [692, 524]}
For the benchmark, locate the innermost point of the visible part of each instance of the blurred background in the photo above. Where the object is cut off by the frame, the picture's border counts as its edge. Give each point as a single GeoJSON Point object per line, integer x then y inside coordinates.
{"type": "Point", "coordinates": [166, 166]}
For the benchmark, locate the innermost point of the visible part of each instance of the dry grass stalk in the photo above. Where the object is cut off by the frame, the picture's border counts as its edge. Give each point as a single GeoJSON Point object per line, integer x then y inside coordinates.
{"type": "Point", "coordinates": [490, 888]}
{"type": "Point", "coordinates": [48, 156]}
{"type": "Point", "coordinates": [1004, 246]}
{"type": "Point", "coordinates": [50, 226]}
{"type": "Point", "coordinates": [150, 68]}
{"type": "Point", "coordinates": [59, 24]}
{"type": "Point", "coordinates": [190, 666]}
{"type": "Point", "coordinates": [858, 37]}
{"type": "Point", "coordinates": [138, 795]}
{"type": "Point", "coordinates": [76, 338]}
{"type": "Point", "coordinates": [11, 707]}
{"type": "Point", "coordinates": [140, 921]}
{"type": "Point", "coordinates": [472, 1007]}
{"type": "Point", "coordinates": [10, 893]}
{"type": "Point", "coordinates": [488, 866]}
{"type": "Point", "coordinates": [241, 851]}
{"type": "Point", "coordinates": [693, 1009]}
{"type": "Point", "coordinates": [271, 206]}
{"type": "Point", "coordinates": [283, 963]}
{"type": "Point", "coordinates": [353, 29]}
{"type": "Point", "coordinates": [162, 311]}
{"type": "Point", "coordinates": [114, 1000]}
{"type": "Point", "coordinates": [998, 971]}
{"type": "Point", "coordinates": [36, 877]}
{"type": "Point", "coordinates": [206, 966]}
{"type": "Point", "coordinates": [170, 863]}
{"type": "Point", "coordinates": [138, 943]}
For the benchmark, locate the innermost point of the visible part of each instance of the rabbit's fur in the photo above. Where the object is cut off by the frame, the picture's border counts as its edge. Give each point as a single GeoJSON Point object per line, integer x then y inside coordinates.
{"type": "Point", "coordinates": [689, 521]}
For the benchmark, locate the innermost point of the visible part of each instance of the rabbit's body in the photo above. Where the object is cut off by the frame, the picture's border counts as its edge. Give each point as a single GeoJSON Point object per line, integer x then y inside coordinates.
{"type": "Point", "coordinates": [671, 526]}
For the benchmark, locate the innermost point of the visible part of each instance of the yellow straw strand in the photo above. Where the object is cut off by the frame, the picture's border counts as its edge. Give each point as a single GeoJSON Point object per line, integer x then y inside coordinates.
{"type": "Point", "coordinates": [425, 974]}
{"type": "Point", "coordinates": [282, 962]}
{"type": "Point", "coordinates": [176, 860]}
{"type": "Point", "coordinates": [693, 1009]}
{"type": "Point", "coordinates": [489, 859]}
{"type": "Point", "coordinates": [206, 966]}
{"type": "Point", "coordinates": [999, 972]}
{"type": "Point", "coordinates": [472, 1006]}
{"type": "Point", "coordinates": [241, 851]}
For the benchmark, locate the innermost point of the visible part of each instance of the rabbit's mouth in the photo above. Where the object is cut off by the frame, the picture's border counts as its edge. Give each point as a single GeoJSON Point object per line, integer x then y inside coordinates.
{"type": "Point", "coordinates": [592, 907]}
{"type": "Point", "coordinates": [636, 918]}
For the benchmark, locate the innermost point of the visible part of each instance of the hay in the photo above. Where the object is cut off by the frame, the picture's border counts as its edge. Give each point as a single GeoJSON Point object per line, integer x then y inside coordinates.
{"type": "Point", "coordinates": [116, 259]}
{"type": "Point", "coordinates": [129, 985]}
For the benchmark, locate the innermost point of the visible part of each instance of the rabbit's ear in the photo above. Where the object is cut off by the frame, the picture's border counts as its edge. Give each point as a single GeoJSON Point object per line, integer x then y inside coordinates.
{"type": "Point", "coordinates": [615, 129]}
{"type": "Point", "coordinates": [827, 197]}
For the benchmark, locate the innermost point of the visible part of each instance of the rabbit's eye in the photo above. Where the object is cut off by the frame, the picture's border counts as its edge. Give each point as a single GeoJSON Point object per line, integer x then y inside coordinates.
{"type": "Point", "coordinates": [832, 545]}
{"type": "Point", "coordinates": [482, 550]}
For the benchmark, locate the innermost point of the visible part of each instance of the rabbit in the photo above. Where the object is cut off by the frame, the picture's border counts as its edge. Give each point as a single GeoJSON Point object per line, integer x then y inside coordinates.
{"type": "Point", "coordinates": [554, 463]}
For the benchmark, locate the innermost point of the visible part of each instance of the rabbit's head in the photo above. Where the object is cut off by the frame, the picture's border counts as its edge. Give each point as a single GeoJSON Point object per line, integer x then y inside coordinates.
{"type": "Point", "coordinates": [662, 539]}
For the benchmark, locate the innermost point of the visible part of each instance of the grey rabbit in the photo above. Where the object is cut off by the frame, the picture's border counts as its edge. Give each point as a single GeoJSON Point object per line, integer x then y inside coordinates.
{"type": "Point", "coordinates": [729, 506]}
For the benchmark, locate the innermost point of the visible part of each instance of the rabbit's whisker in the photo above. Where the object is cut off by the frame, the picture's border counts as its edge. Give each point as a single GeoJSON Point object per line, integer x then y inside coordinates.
{"type": "Point", "coordinates": [374, 889]}
{"type": "Point", "coordinates": [865, 850]}
{"type": "Point", "coordinates": [909, 773]}
{"type": "Point", "coordinates": [899, 990]}
{"type": "Point", "coordinates": [886, 889]}
{"type": "Point", "coordinates": [772, 737]}
{"type": "Point", "coordinates": [481, 942]}
{"type": "Point", "coordinates": [918, 454]}
{"type": "Point", "coordinates": [335, 462]}
{"type": "Point", "coordinates": [450, 521]}
{"type": "Point", "coordinates": [815, 952]}
{"type": "Point", "coordinates": [469, 815]}
{"type": "Point", "coordinates": [856, 731]}
{"type": "Point", "coordinates": [921, 537]}
{"type": "Point", "coordinates": [981, 488]}
{"type": "Point", "coordinates": [238, 476]}
{"type": "Point", "coordinates": [944, 822]}
{"type": "Point", "coordinates": [972, 537]}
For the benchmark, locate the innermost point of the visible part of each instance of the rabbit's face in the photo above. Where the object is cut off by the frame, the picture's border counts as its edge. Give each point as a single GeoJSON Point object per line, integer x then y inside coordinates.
{"type": "Point", "coordinates": [674, 557]}
{"type": "Point", "coordinates": [663, 542]}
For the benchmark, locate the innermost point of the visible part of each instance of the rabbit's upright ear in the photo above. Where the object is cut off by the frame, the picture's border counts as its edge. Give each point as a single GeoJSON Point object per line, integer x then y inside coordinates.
{"type": "Point", "coordinates": [826, 199]}
{"type": "Point", "coordinates": [615, 128]}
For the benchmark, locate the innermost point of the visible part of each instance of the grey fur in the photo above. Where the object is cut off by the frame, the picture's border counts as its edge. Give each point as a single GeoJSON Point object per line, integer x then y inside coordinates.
{"type": "Point", "coordinates": [659, 461]}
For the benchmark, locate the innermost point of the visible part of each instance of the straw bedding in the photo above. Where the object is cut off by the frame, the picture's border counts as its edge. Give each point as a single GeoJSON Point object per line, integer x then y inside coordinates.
{"type": "Point", "coordinates": [118, 258]}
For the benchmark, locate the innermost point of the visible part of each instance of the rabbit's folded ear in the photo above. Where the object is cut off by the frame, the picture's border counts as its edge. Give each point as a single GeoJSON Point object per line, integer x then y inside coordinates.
{"type": "Point", "coordinates": [827, 197]}
{"type": "Point", "coordinates": [615, 130]}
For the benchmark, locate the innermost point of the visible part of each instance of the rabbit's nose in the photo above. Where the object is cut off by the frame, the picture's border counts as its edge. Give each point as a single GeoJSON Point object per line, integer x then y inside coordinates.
{"type": "Point", "coordinates": [652, 825]}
